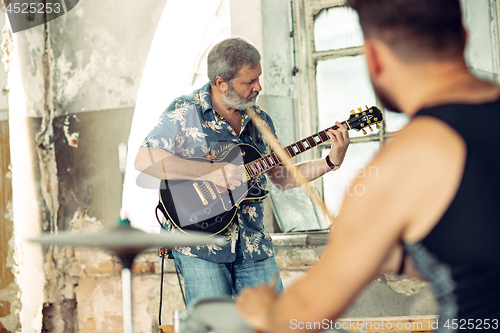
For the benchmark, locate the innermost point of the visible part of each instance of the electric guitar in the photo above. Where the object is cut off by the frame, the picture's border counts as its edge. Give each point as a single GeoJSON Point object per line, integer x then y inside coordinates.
{"type": "Point", "coordinates": [199, 205]}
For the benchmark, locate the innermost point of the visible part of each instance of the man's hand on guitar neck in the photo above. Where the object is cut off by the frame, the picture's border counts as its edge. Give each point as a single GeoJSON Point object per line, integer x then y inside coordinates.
{"type": "Point", "coordinates": [340, 142]}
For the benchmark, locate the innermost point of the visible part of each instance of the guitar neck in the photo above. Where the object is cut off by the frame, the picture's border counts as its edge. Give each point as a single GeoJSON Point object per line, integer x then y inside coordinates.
{"type": "Point", "coordinates": [267, 162]}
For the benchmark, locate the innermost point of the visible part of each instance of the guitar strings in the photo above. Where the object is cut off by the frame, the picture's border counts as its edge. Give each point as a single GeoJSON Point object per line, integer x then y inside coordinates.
{"type": "Point", "coordinates": [281, 153]}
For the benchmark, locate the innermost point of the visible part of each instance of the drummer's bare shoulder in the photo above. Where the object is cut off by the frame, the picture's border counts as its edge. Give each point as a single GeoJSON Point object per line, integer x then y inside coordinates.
{"type": "Point", "coordinates": [425, 163]}
{"type": "Point", "coordinates": [411, 170]}
{"type": "Point", "coordinates": [420, 167]}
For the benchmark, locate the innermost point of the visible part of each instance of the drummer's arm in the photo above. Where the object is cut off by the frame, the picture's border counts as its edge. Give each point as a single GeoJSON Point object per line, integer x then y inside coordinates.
{"type": "Point", "coordinates": [161, 164]}
{"type": "Point", "coordinates": [364, 233]}
{"type": "Point", "coordinates": [368, 227]}
{"type": "Point", "coordinates": [312, 170]}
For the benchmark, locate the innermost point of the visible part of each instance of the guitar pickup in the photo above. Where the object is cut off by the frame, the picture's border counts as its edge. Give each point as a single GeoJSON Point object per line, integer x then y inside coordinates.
{"type": "Point", "coordinates": [210, 189]}
{"type": "Point", "coordinates": [200, 194]}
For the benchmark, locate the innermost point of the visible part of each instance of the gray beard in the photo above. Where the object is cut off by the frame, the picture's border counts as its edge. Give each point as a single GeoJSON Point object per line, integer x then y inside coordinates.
{"type": "Point", "coordinates": [235, 101]}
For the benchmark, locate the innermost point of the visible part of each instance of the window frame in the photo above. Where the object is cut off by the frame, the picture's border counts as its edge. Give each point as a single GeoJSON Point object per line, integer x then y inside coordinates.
{"type": "Point", "coordinates": [307, 58]}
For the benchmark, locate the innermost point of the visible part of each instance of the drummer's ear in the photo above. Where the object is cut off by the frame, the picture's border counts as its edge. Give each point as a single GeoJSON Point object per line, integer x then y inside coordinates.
{"type": "Point", "coordinates": [372, 58]}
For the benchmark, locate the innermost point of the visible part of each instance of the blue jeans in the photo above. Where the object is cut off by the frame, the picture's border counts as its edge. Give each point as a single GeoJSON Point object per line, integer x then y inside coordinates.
{"type": "Point", "coordinates": [204, 279]}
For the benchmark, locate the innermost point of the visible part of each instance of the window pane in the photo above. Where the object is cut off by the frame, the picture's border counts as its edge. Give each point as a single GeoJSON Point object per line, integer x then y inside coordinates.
{"type": "Point", "coordinates": [395, 121]}
{"type": "Point", "coordinates": [337, 28]}
{"type": "Point", "coordinates": [342, 85]}
{"type": "Point", "coordinates": [336, 183]}
{"type": "Point", "coordinates": [479, 51]}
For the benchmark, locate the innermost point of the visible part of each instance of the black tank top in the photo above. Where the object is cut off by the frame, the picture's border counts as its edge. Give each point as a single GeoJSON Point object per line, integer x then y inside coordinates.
{"type": "Point", "coordinates": [461, 255]}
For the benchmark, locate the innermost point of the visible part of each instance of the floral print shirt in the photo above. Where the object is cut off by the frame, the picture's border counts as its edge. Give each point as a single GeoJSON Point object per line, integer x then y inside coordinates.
{"type": "Point", "coordinates": [189, 128]}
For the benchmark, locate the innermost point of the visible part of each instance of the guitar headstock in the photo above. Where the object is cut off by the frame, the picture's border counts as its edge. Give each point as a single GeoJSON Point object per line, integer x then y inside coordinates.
{"type": "Point", "coordinates": [364, 118]}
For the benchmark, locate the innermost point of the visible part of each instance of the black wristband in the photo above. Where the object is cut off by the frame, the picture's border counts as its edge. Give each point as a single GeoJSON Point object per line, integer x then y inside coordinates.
{"type": "Point", "coordinates": [329, 162]}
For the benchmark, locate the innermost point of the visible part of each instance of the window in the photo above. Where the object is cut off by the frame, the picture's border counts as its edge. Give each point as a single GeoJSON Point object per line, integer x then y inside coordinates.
{"type": "Point", "coordinates": [338, 83]}
{"type": "Point", "coordinates": [334, 78]}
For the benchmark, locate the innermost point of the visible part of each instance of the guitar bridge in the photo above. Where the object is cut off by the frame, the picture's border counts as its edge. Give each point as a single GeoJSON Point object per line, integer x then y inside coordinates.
{"type": "Point", "coordinates": [210, 189]}
{"type": "Point", "coordinates": [200, 194]}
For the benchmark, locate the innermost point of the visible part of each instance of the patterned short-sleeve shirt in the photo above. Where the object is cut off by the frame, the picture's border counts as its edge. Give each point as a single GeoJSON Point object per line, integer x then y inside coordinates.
{"type": "Point", "coordinates": [189, 128]}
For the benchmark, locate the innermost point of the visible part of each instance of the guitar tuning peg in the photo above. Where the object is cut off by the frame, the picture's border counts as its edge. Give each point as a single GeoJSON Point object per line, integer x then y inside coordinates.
{"type": "Point", "coordinates": [359, 109]}
{"type": "Point", "coordinates": [371, 129]}
{"type": "Point", "coordinates": [364, 132]}
{"type": "Point", "coordinates": [352, 111]}
{"type": "Point", "coordinates": [378, 126]}
{"type": "Point", "coordinates": [366, 106]}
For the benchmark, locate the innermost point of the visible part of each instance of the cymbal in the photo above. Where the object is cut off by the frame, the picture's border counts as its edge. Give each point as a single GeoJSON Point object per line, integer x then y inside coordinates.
{"type": "Point", "coordinates": [127, 239]}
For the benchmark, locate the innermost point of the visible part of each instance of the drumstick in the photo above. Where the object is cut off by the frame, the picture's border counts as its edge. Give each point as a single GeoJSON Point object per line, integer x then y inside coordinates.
{"type": "Point", "coordinates": [285, 158]}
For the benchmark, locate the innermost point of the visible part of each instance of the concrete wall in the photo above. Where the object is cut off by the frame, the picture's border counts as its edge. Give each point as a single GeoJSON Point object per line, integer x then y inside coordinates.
{"type": "Point", "coordinates": [73, 86]}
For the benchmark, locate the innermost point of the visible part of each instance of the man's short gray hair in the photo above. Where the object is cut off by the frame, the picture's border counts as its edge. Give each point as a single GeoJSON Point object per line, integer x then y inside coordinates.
{"type": "Point", "coordinates": [226, 58]}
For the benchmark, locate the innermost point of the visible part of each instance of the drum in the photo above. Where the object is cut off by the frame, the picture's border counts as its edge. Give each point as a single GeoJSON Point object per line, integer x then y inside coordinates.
{"type": "Point", "coordinates": [217, 315]}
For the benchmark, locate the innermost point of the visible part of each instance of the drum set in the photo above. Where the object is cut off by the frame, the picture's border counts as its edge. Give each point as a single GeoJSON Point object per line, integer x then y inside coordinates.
{"type": "Point", "coordinates": [216, 315]}
{"type": "Point", "coordinates": [126, 243]}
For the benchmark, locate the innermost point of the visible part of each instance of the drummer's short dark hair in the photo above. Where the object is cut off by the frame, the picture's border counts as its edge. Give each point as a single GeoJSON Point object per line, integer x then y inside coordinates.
{"type": "Point", "coordinates": [414, 29]}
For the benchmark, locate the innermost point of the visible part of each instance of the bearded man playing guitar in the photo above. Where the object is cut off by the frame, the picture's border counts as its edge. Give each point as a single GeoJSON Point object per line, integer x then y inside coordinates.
{"type": "Point", "coordinates": [194, 126]}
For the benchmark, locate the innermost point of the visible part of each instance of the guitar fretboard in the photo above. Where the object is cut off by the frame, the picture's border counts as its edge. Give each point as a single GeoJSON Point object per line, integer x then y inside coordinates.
{"type": "Point", "coordinates": [269, 161]}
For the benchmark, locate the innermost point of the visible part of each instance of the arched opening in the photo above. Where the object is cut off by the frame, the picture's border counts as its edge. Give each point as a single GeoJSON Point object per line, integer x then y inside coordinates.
{"type": "Point", "coordinates": [176, 64]}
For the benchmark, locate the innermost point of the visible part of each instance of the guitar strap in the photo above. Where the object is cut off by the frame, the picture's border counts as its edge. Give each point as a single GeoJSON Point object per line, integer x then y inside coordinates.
{"type": "Point", "coordinates": [253, 134]}
{"type": "Point", "coordinates": [254, 137]}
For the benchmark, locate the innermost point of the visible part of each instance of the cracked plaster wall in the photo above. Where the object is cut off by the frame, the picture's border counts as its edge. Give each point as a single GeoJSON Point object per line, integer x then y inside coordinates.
{"type": "Point", "coordinates": [10, 303]}
{"type": "Point", "coordinates": [73, 85]}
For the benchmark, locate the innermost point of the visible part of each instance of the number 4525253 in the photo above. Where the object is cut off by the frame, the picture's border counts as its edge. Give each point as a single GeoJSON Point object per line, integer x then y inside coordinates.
{"type": "Point", "coordinates": [33, 8]}
{"type": "Point", "coordinates": [471, 324]}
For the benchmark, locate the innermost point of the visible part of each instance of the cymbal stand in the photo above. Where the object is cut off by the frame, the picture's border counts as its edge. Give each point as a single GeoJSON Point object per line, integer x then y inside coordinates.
{"type": "Point", "coordinates": [127, 259]}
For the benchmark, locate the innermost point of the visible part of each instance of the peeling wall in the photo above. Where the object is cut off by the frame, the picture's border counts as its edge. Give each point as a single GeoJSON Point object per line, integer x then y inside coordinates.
{"type": "Point", "coordinates": [9, 291]}
{"type": "Point", "coordinates": [73, 84]}
{"type": "Point", "coordinates": [10, 303]}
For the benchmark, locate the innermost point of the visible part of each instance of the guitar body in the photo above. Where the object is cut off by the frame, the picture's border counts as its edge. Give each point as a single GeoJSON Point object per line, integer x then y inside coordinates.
{"type": "Point", "coordinates": [197, 205]}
